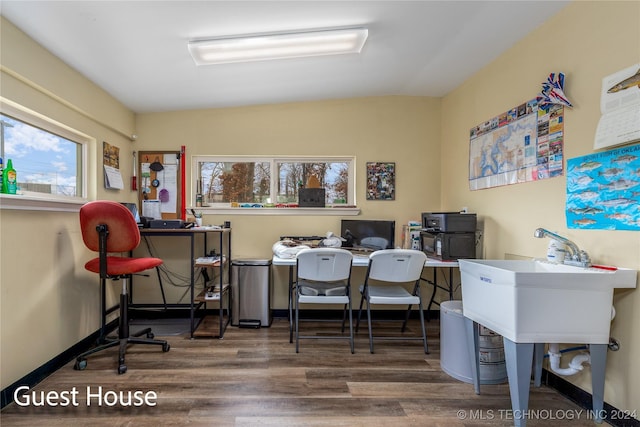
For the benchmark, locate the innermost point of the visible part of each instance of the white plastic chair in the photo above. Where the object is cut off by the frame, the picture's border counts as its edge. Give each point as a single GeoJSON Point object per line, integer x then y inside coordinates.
{"type": "Point", "coordinates": [324, 277]}
{"type": "Point", "coordinates": [388, 270]}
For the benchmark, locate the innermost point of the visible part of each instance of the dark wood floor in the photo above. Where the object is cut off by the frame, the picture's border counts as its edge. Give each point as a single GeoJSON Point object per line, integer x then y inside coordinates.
{"type": "Point", "coordinates": [254, 377]}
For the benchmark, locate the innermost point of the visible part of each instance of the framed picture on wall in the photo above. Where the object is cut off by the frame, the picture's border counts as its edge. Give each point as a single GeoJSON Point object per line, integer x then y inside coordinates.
{"type": "Point", "coordinates": [381, 181]}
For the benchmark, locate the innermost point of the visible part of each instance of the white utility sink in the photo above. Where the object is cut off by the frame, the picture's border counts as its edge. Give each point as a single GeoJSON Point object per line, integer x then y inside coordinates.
{"type": "Point", "coordinates": [534, 302]}
{"type": "Point", "coordinates": [540, 302]}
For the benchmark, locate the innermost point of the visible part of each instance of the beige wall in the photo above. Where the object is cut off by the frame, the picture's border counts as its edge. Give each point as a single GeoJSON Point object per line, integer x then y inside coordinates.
{"type": "Point", "coordinates": [586, 41]}
{"type": "Point", "coordinates": [48, 302]}
{"type": "Point", "coordinates": [49, 305]}
{"type": "Point", "coordinates": [405, 130]}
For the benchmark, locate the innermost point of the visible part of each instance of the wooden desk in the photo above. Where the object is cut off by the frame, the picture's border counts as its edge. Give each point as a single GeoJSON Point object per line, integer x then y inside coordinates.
{"type": "Point", "coordinates": [363, 261]}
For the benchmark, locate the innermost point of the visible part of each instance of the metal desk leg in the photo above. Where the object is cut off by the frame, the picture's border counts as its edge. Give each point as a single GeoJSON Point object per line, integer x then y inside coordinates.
{"type": "Point", "coordinates": [519, 358]}
{"type": "Point", "coordinates": [223, 324]}
{"type": "Point", "coordinates": [433, 294]}
{"type": "Point", "coordinates": [193, 285]}
{"type": "Point", "coordinates": [164, 297]}
{"type": "Point", "coordinates": [449, 288]}
{"type": "Point", "coordinates": [131, 287]}
{"type": "Point", "coordinates": [290, 304]}
{"type": "Point", "coordinates": [221, 301]}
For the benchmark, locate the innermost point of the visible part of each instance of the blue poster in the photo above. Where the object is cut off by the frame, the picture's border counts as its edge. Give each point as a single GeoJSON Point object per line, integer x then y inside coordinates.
{"type": "Point", "coordinates": [603, 190]}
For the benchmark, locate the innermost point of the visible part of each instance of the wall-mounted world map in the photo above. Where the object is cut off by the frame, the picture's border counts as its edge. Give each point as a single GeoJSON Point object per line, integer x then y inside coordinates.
{"type": "Point", "coordinates": [520, 145]}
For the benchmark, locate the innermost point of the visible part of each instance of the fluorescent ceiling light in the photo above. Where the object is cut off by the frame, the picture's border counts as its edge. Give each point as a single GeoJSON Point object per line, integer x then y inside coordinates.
{"type": "Point", "coordinates": [263, 47]}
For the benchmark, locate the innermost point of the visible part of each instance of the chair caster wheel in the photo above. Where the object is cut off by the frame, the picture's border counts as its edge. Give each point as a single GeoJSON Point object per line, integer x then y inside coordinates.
{"type": "Point", "coordinates": [150, 335]}
{"type": "Point", "coordinates": [122, 369]}
{"type": "Point", "coordinates": [80, 364]}
{"type": "Point", "coordinates": [165, 347]}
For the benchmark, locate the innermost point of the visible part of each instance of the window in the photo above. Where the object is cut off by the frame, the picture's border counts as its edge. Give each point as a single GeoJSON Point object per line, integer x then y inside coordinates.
{"type": "Point", "coordinates": [227, 181]}
{"type": "Point", "coordinates": [48, 157]}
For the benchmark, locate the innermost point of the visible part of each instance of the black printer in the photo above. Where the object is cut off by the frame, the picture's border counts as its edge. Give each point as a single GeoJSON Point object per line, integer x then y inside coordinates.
{"type": "Point", "coordinates": [448, 236]}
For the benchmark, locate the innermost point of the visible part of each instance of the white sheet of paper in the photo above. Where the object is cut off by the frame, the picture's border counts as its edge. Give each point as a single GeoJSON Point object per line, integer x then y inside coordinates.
{"type": "Point", "coordinates": [620, 121]}
{"type": "Point", "coordinates": [151, 208]}
{"type": "Point", "coordinates": [169, 181]}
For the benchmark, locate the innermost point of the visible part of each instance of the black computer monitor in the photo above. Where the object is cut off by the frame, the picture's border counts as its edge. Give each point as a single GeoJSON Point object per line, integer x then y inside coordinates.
{"type": "Point", "coordinates": [368, 234]}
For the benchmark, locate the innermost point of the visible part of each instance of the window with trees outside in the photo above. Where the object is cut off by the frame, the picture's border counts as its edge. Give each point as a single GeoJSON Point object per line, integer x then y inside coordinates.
{"type": "Point", "coordinates": [47, 156]}
{"type": "Point", "coordinates": [227, 181]}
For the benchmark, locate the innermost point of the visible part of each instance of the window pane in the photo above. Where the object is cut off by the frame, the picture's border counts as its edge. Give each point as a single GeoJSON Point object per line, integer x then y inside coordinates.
{"type": "Point", "coordinates": [227, 180]}
{"type": "Point", "coordinates": [332, 176]}
{"type": "Point", "coordinates": [44, 162]}
{"type": "Point", "coordinates": [241, 182]}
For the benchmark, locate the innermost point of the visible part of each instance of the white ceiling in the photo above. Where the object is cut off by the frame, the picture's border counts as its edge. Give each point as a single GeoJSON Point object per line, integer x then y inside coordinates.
{"type": "Point", "coordinates": [137, 50]}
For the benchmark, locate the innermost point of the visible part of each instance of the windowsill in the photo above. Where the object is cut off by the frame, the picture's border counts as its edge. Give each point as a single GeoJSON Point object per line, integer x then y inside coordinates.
{"type": "Point", "coordinates": [277, 211]}
{"type": "Point", "coordinates": [37, 202]}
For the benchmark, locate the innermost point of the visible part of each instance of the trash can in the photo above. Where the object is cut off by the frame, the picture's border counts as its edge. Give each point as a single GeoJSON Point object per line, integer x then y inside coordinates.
{"type": "Point", "coordinates": [251, 293]}
{"type": "Point", "coordinates": [454, 353]}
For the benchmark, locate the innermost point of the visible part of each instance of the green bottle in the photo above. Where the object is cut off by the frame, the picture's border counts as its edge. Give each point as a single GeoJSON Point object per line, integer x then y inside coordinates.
{"type": "Point", "coordinates": [10, 178]}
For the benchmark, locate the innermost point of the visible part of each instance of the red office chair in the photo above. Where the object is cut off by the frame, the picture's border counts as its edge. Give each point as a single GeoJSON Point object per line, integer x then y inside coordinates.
{"type": "Point", "coordinates": [107, 228]}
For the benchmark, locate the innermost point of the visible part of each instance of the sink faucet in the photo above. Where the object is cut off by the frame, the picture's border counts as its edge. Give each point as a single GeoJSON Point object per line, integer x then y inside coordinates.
{"type": "Point", "coordinates": [575, 257]}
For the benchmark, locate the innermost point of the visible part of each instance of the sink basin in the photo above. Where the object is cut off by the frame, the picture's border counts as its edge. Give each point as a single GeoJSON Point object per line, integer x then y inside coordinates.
{"type": "Point", "coordinates": [541, 302]}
